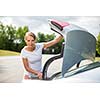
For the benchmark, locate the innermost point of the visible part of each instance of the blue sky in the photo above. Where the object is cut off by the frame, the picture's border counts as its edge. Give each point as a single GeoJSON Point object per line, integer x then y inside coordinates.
{"type": "Point", "coordinates": [40, 23]}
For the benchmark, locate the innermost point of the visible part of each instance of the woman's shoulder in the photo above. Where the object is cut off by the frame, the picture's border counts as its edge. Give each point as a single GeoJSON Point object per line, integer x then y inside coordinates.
{"type": "Point", "coordinates": [23, 53]}
{"type": "Point", "coordinates": [24, 49]}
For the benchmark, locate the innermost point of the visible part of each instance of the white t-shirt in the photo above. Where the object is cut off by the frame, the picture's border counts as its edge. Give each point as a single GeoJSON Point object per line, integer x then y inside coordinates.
{"type": "Point", "coordinates": [34, 58]}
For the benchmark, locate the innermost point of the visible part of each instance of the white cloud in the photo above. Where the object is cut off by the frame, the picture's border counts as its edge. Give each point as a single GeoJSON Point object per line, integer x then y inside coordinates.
{"type": "Point", "coordinates": [40, 23]}
{"type": "Point", "coordinates": [7, 20]}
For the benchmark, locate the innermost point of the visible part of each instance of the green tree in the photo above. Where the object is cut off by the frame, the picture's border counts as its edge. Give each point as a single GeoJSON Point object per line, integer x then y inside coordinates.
{"type": "Point", "coordinates": [55, 49]}
{"type": "Point", "coordinates": [98, 44]}
{"type": "Point", "coordinates": [2, 36]}
{"type": "Point", "coordinates": [41, 37]}
{"type": "Point", "coordinates": [20, 43]}
{"type": "Point", "coordinates": [12, 38]}
{"type": "Point", "coordinates": [7, 36]}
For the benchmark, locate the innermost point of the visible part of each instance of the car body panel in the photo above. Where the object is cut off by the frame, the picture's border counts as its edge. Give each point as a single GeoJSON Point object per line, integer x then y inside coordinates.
{"type": "Point", "coordinates": [79, 45]}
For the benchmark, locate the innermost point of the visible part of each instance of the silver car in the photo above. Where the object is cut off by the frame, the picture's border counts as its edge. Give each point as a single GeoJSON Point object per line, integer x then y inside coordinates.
{"type": "Point", "coordinates": [79, 46]}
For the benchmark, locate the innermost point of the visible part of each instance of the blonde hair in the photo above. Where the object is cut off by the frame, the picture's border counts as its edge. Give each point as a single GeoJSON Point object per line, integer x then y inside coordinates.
{"type": "Point", "coordinates": [30, 34]}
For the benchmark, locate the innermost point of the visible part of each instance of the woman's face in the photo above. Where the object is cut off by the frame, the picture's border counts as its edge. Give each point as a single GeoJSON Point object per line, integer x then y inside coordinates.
{"type": "Point", "coordinates": [30, 41]}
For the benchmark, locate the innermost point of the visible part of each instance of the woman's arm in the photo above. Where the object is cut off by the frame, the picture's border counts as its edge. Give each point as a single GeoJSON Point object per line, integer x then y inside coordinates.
{"type": "Point", "coordinates": [26, 65]}
{"type": "Point", "coordinates": [51, 43]}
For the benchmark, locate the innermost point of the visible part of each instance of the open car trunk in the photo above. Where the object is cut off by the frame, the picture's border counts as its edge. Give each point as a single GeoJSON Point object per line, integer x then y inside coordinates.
{"type": "Point", "coordinates": [79, 46]}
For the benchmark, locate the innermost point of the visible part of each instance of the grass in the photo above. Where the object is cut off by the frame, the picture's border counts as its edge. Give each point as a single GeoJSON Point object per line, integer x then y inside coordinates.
{"type": "Point", "coordinates": [8, 53]}
{"type": "Point", "coordinates": [97, 59]}
{"type": "Point", "coordinates": [12, 53]}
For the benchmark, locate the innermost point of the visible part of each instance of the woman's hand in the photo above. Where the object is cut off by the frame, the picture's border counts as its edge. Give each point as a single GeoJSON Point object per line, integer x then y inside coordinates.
{"type": "Point", "coordinates": [39, 75]}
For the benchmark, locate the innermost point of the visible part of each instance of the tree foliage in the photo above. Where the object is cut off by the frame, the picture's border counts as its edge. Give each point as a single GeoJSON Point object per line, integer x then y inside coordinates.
{"type": "Point", "coordinates": [55, 49]}
{"type": "Point", "coordinates": [7, 37]}
{"type": "Point", "coordinates": [12, 38]}
{"type": "Point", "coordinates": [20, 33]}
{"type": "Point", "coordinates": [98, 45]}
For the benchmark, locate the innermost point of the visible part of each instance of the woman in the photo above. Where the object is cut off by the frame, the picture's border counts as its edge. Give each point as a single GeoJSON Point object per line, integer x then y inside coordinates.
{"type": "Point", "coordinates": [32, 55]}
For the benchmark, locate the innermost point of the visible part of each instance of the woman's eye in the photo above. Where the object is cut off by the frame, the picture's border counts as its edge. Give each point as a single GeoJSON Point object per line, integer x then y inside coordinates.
{"type": "Point", "coordinates": [28, 40]}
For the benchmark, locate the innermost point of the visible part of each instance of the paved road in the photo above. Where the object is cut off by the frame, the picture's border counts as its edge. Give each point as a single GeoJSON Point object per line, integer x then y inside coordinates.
{"type": "Point", "coordinates": [15, 61]}
{"type": "Point", "coordinates": [12, 67]}
{"type": "Point", "coordinates": [10, 61]}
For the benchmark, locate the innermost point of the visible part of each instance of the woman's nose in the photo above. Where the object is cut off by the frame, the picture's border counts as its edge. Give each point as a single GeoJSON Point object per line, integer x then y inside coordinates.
{"type": "Point", "coordinates": [30, 42]}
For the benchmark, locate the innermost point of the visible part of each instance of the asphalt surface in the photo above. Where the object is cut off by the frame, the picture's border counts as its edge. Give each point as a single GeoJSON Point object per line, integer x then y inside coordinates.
{"type": "Point", "coordinates": [15, 61]}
